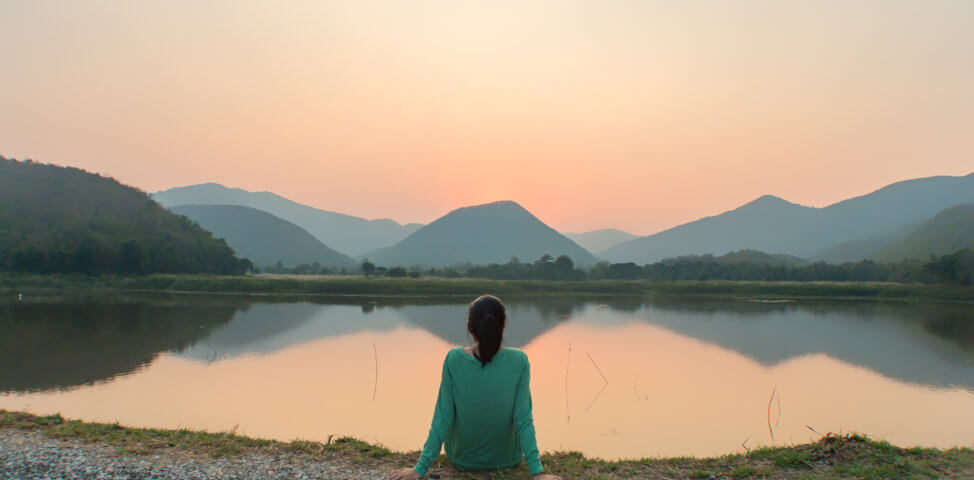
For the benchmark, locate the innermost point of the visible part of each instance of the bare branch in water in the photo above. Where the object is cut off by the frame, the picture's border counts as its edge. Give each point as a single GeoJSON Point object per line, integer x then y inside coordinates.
{"type": "Point", "coordinates": [744, 444]}
{"type": "Point", "coordinates": [604, 385]}
{"type": "Point", "coordinates": [606, 380]}
{"type": "Point", "coordinates": [375, 384]}
{"type": "Point", "coordinates": [596, 397]}
{"type": "Point", "coordinates": [639, 397]}
{"type": "Point", "coordinates": [813, 430]}
{"type": "Point", "coordinates": [774, 391]}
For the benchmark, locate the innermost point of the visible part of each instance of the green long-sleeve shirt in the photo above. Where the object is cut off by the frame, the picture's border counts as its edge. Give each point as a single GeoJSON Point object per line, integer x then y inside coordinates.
{"type": "Point", "coordinates": [483, 415]}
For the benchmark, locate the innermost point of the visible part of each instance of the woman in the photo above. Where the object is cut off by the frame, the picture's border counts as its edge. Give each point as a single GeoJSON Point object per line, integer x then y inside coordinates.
{"type": "Point", "coordinates": [483, 411]}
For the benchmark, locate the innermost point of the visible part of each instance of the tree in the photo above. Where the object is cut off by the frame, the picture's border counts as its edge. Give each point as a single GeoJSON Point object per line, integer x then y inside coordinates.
{"type": "Point", "coordinates": [396, 272]}
{"type": "Point", "coordinates": [368, 267]}
{"type": "Point", "coordinates": [564, 263]}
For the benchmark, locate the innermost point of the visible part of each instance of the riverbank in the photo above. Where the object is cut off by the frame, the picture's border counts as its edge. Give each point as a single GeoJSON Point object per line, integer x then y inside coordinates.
{"type": "Point", "coordinates": [53, 447]}
{"type": "Point", "coordinates": [431, 286]}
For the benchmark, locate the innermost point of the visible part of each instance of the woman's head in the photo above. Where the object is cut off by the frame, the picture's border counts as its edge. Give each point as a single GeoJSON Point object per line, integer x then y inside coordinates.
{"type": "Point", "coordinates": [485, 321]}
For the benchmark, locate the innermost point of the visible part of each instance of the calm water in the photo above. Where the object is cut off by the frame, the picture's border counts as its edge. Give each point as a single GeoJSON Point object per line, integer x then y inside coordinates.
{"type": "Point", "coordinates": [611, 378]}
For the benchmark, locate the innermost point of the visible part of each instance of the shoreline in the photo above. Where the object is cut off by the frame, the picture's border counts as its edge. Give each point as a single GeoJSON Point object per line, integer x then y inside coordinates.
{"type": "Point", "coordinates": [833, 456]}
{"type": "Point", "coordinates": [353, 286]}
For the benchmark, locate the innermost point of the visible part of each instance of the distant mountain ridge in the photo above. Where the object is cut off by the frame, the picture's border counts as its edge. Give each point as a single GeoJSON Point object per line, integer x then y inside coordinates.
{"type": "Point", "coordinates": [264, 238]}
{"type": "Point", "coordinates": [481, 234]}
{"type": "Point", "coordinates": [345, 233]}
{"type": "Point", "coordinates": [599, 240]}
{"type": "Point", "coordinates": [774, 225]}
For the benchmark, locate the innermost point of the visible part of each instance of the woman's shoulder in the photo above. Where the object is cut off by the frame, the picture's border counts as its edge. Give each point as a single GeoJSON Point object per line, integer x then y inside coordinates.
{"type": "Point", "coordinates": [516, 353]}
{"type": "Point", "coordinates": [453, 352]}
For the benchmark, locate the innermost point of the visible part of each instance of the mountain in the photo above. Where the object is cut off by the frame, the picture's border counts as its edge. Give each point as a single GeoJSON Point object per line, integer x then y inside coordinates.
{"type": "Point", "coordinates": [774, 225]}
{"type": "Point", "coordinates": [264, 238]}
{"type": "Point", "coordinates": [483, 234]}
{"type": "Point", "coordinates": [598, 240]}
{"type": "Point", "coordinates": [58, 220]}
{"type": "Point", "coordinates": [345, 233]}
{"type": "Point", "coordinates": [950, 230]}
{"type": "Point", "coordinates": [769, 224]}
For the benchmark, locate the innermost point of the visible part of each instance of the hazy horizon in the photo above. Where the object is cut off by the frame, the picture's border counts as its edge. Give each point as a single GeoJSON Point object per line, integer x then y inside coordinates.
{"type": "Point", "coordinates": [634, 115]}
{"type": "Point", "coordinates": [609, 227]}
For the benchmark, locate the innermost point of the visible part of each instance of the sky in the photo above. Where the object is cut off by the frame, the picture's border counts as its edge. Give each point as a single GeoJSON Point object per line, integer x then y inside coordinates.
{"type": "Point", "coordinates": [638, 115]}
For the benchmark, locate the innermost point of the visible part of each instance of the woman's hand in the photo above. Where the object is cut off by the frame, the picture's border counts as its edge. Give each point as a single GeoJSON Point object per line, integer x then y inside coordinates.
{"type": "Point", "coordinates": [546, 476]}
{"type": "Point", "coordinates": [403, 474]}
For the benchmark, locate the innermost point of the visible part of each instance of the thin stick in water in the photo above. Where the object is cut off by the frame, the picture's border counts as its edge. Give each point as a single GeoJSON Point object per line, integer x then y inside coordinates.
{"type": "Point", "coordinates": [375, 384]}
{"type": "Point", "coordinates": [568, 415]}
{"type": "Point", "coordinates": [778, 418]}
{"type": "Point", "coordinates": [770, 401]}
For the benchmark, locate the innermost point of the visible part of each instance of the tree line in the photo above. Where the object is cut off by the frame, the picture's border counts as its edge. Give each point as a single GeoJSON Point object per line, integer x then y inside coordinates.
{"type": "Point", "coordinates": [956, 268]}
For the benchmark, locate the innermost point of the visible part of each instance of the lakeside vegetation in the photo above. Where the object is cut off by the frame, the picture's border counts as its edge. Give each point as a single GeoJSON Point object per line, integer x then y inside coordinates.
{"type": "Point", "coordinates": [14, 284]}
{"type": "Point", "coordinates": [744, 265]}
{"type": "Point", "coordinates": [831, 457]}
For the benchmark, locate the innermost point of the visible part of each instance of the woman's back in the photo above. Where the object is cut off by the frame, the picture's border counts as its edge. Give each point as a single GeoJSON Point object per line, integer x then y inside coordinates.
{"type": "Point", "coordinates": [483, 435]}
{"type": "Point", "coordinates": [483, 413]}
{"type": "Point", "coordinates": [483, 408]}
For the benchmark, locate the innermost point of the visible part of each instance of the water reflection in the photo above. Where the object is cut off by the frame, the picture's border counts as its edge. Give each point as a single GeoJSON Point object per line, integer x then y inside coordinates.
{"type": "Point", "coordinates": [929, 344]}
{"type": "Point", "coordinates": [59, 346]}
{"type": "Point", "coordinates": [613, 377]}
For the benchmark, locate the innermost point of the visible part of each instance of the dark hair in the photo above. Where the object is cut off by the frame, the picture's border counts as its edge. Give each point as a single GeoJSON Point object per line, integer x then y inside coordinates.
{"type": "Point", "coordinates": [485, 321]}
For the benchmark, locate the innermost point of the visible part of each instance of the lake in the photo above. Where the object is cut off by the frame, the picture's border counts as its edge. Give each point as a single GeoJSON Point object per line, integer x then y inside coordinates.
{"type": "Point", "coordinates": [612, 377]}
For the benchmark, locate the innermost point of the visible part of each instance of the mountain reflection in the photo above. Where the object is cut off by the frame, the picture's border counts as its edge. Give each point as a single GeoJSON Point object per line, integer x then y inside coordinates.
{"type": "Point", "coordinates": [59, 345]}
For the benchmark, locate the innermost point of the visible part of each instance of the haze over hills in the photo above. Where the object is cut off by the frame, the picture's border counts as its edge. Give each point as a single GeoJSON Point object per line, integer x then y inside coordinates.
{"type": "Point", "coordinates": [774, 225]}
{"type": "Point", "coordinates": [950, 230]}
{"type": "Point", "coordinates": [344, 233]}
{"type": "Point", "coordinates": [598, 240]}
{"type": "Point", "coordinates": [482, 234]}
{"type": "Point", "coordinates": [264, 238]}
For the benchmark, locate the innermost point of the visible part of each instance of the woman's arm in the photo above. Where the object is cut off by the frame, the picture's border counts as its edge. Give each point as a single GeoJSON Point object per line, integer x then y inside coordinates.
{"type": "Point", "coordinates": [524, 421]}
{"type": "Point", "coordinates": [443, 416]}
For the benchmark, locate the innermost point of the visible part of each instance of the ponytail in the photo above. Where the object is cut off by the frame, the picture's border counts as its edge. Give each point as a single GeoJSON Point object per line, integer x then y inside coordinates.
{"type": "Point", "coordinates": [485, 321]}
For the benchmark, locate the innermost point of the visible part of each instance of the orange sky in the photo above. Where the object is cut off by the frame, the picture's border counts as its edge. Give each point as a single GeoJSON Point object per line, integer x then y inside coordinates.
{"type": "Point", "coordinates": [635, 114]}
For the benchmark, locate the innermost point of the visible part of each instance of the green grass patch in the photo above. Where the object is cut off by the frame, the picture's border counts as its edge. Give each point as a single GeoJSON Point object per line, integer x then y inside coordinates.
{"type": "Point", "coordinates": [13, 284]}
{"type": "Point", "coordinates": [832, 457]}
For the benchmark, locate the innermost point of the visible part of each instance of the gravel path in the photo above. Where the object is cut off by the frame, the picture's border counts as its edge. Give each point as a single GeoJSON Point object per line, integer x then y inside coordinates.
{"type": "Point", "coordinates": [30, 455]}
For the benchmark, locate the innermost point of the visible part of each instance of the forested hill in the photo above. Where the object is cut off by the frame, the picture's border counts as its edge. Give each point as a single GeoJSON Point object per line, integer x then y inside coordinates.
{"type": "Point", "coordinates": [948, 231]}
{"type": "Point", "coordinates": [60, 219]}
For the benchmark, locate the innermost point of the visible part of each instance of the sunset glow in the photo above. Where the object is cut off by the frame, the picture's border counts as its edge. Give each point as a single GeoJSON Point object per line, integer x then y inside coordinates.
{"type": "Point", "coordinates": [637, 115]}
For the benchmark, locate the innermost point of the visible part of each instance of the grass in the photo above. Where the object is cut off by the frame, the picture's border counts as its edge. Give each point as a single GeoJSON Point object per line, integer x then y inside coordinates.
{"type": "Point", "coordinates": [832, 457]}
{"type": "Point", "coordinates": [432, 286]}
